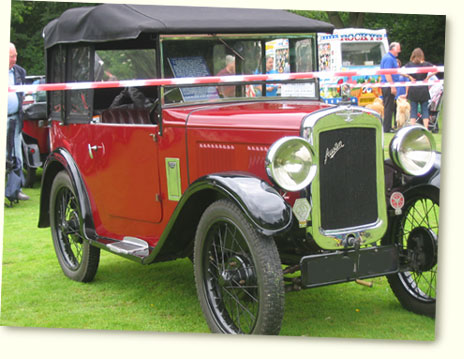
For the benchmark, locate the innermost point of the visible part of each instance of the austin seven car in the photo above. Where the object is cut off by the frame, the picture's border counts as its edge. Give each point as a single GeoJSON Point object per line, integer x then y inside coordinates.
{"type": "Point", "coordinates": [263, 186]}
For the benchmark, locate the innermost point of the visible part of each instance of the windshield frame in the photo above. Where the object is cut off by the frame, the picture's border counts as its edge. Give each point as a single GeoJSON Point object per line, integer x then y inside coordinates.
{"type": "Point", "coordinates": [226, 39]}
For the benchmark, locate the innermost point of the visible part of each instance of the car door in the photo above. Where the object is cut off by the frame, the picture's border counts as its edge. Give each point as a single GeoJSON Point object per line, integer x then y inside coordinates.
{"type": "Point", "coordinates": [125, 187]}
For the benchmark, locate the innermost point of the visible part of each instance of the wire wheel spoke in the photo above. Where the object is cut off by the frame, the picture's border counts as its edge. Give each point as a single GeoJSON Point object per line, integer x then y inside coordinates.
{"type": "Point", "coordinates": [241, 310]}
{"type": "Point", "coordinates": [231, 278]}
{"type": "Point", "coordinates": [67, 223]}
{"type": "Point", "coordinates": [423, 213]}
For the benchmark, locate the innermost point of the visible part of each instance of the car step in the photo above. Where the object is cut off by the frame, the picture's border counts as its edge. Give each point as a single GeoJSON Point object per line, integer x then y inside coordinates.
{"type": "Point", "coordinates": [130, 245]}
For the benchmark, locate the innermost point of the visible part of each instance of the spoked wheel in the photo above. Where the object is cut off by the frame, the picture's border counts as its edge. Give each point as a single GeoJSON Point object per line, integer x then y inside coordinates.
{"type": "Point", "coordinates": [78, 259]}
{"type": "Point", "coordinates": [416, 232]}
{"type": "Point", "coordinates": [238, 274]}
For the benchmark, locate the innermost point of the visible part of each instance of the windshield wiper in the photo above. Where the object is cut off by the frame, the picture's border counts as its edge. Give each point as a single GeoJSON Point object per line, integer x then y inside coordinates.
{"type": "Point", "coordinates": [236, 53]}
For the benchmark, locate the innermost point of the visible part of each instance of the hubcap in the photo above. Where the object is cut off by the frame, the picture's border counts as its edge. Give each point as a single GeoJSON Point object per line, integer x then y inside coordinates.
{"type": "Point", "coordinates": [236, 271]}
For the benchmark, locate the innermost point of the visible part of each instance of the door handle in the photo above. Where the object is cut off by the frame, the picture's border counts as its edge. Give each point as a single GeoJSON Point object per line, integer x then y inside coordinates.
{"type": "Point", "coordinates": [93, 149]}
{"type": "Point", "coordinates": [154, 136]}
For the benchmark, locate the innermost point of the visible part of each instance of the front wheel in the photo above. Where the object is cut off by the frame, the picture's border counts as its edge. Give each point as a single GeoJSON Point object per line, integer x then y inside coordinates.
{"type": "Point", "coordinates": [78, 259]}
{"type": "Point", "coordinates": [416, 234]}
{"type": "Point", "coordinates": [238, 274]}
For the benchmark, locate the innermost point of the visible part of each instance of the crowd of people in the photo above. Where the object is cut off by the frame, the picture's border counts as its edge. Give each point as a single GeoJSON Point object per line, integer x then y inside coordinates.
{"type": "Point", "coordinates": [417, 96]}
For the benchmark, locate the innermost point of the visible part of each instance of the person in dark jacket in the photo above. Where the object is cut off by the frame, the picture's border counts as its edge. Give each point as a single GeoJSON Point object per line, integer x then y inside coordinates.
{"type": "Point", "coordinates": [419, 95]}
{"type": "Point", "coordinates": [16, 76]}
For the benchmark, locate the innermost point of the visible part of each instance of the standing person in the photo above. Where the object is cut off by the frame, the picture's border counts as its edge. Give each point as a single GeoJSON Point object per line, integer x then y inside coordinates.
{"type": "Point", "coordinates": [402, 90]}
{"type": "Point", "coordinates": [419, 95]}
{"type": "Point", "coordinates": [402, 107]}
{"type": "Point", "coordinates": [271, 89]}
{"type": "Point", "coordinates": [228, 70]}
{"type": "Point", "coordinates": [16, 76]}
{"type": "Point", "coordinates": [389, 93]}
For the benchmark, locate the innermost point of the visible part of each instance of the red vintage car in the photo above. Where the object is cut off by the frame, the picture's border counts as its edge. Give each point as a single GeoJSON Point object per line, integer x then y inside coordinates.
{"type": "Point", "coordinates": [252, 180]}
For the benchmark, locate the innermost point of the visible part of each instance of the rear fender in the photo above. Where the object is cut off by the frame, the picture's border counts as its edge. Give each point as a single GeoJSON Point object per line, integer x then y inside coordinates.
{"type": "Point", "coordinates": [57, 161]}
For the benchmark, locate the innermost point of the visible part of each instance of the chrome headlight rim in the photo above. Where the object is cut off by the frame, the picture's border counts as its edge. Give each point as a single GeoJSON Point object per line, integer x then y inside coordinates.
{"type": "Point", "coordinates": [272, 157]}
{"type": "Point", "coordinates": [397, 147]}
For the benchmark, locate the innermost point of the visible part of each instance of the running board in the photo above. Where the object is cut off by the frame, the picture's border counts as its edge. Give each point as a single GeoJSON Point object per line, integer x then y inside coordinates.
{"type": "Point", "coordinates": [131, 246]}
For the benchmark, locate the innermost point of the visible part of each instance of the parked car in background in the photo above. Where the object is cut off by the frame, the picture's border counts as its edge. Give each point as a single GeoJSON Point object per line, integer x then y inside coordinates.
{"type": "Point", "coordinates": [264, 186]}
{"type": "Point", "coordinates": [35, 141]}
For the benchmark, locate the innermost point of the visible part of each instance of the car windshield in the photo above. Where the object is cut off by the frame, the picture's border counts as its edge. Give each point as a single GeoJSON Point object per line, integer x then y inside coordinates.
{"type": "Point", "coordinates": [237, 55]}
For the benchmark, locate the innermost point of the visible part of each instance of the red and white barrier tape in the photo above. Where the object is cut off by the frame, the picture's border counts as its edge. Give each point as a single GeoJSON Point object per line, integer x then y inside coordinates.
{"type": "Point", "coordinates": [388, 84]}
{"type": "Point", "coordinates": [237, 78]}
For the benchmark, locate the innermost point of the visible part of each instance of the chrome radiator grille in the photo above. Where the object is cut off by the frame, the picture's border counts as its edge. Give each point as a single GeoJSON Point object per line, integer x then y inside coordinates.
{"type": "Point", "coordinates": [348, 182]}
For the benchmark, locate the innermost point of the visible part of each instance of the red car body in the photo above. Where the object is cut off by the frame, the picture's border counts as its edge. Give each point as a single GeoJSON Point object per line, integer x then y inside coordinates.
{"type": "Point", "coordinates": [131, 157]}
{"type": "Point", "coordinates": [251, 187]}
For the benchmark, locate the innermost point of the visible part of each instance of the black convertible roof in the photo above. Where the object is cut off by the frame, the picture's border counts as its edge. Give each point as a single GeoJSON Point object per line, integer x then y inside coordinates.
{"type": "Point", "coordinates": [109, 22]}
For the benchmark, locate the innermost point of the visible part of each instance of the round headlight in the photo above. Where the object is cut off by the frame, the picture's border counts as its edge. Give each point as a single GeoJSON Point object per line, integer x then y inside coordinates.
{"type": "Point", "coordinates": [413, 150]}
{"type": "Point", "coordinates": [290, 163]}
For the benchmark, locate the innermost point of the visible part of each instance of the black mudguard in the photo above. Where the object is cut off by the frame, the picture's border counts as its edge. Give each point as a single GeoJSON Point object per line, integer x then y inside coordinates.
{"type": "Point", "coordinates": [396, 180]}
{"type": "Point", "coordinates": [264, 207]}
{"type": "Point", "coordinates": [262, 204]}
{"type": "Point", "coordinates": [57, 161]}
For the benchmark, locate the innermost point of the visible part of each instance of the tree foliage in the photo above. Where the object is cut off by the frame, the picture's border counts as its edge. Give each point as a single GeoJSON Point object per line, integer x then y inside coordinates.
{"type": "Point", "coordinates": [411, 30]}
{"type": "Point", "coordinates": [424, 31]}
{"type": "Point", "coordinates": [28, 19]}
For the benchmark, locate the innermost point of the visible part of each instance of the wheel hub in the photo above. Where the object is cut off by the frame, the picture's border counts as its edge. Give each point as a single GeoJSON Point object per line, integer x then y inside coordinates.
{"type": "Point", "coordinates": [236, 271]}
{"type": "Point", "coordinates": [423, 249]}
{"type": "Point", "coordinates": [71, 227]}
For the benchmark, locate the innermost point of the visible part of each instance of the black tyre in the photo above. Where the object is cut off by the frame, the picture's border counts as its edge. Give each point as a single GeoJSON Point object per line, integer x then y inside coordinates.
{"type": "Point", "coordinates": [238, 274]}
{"type": "Point", "coordinates": [416, 231]}
{"type": "Point", "coordinates": [78, 259]}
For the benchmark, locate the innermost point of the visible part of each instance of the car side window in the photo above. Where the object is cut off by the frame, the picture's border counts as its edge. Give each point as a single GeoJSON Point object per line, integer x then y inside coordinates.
{"type": "Point", "coordinates": [129, 105]}
{"type": "Point", "coordinates": [57, 63]}
{"type": "Point", "coordinates": [79, 100]}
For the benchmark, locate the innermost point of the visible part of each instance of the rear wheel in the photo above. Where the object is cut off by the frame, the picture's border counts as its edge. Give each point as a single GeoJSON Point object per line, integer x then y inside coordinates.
{"type": "Point", "coordinates": [416, 233]}
{"type": "Point", "coordinates": [78, 259]}
{"type": "Point", "coordinates": [238, 274]}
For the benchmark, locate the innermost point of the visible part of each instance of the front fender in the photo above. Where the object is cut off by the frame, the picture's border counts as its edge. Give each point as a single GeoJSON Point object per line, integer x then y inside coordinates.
{"type": "Point", "coordinates": [57, 161]}
{"type": "Point", "coordinates": [262, 205]}
{"type": "Point", "coordinates": [395, 180]}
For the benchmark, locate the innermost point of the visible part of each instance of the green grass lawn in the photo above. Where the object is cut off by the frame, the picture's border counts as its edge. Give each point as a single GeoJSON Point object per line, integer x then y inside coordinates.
{"type": "Point", "coordinates": [162, 297]}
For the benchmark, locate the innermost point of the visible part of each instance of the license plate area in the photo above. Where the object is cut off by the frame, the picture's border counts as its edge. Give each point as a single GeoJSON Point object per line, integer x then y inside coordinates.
{"type": "Point", "coordinates": [338, 267]}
